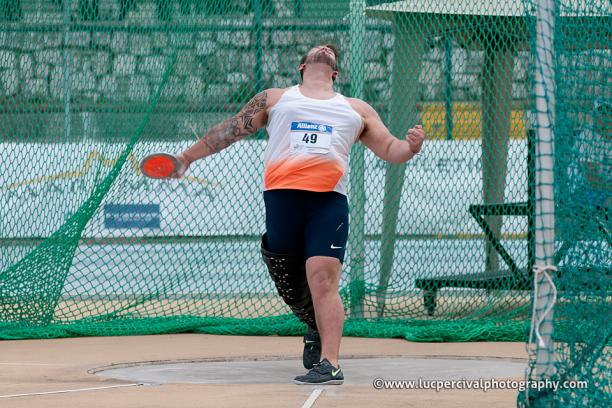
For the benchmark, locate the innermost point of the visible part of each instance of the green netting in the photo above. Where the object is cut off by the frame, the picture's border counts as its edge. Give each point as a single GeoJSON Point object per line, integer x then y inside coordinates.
{"type": "Point", "coordinates": [571, 333]}
{"type": "Point", "coordinates": [440, 249]}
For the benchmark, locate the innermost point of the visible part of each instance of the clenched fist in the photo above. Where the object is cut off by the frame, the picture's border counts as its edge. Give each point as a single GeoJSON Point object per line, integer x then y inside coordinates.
{"type": "Point", "coordinates": [415, 138]}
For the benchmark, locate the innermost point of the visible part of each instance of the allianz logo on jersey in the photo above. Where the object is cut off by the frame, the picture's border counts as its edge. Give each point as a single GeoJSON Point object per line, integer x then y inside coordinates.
{"type": "Point", "coordinates": [311, 126]}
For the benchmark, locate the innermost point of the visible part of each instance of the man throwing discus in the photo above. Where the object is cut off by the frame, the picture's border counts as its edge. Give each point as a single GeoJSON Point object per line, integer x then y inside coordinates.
{"type": "Point", "coordinates": [311, 130]}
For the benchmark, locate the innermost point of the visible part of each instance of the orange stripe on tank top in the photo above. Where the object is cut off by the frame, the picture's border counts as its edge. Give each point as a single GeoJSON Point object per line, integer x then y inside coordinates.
{"type": "Point", "coordinates": [310, 173]}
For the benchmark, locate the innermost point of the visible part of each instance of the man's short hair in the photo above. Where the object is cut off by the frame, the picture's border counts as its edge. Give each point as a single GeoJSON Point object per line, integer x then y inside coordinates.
{"type": "Point", "coordinates": [331, 47]}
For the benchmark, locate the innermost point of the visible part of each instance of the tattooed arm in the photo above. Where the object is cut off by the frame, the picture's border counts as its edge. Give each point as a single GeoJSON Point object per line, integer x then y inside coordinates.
{"type": "Point", "coordinates": [252, 117]}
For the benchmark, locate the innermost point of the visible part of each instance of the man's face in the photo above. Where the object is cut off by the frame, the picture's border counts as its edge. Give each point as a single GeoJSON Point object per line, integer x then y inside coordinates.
{"type": "Point", "coordinates": [322, 54]}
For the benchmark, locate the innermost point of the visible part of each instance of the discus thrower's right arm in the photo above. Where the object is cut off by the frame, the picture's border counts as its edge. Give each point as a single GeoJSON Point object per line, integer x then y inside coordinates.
{"type": "Point", "coordinates": [251, 118]}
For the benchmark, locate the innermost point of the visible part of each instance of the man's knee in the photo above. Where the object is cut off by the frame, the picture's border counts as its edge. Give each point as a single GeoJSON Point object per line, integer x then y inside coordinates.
{"type": "Point", "coordinates": [323, 274]}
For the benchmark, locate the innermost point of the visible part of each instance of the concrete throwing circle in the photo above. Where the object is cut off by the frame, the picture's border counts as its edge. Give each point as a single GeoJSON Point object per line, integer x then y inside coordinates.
{"type": "Point", "coordinates": [357, 371]}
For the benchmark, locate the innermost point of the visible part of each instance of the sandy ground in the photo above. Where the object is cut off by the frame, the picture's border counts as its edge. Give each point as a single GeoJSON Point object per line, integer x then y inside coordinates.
{"type": "Point", "coordinates": [36, 366]}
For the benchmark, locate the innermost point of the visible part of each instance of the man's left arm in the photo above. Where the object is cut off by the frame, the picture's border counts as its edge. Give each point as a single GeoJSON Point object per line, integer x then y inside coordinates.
{"type": "Point", "coordinates": [379, 139]}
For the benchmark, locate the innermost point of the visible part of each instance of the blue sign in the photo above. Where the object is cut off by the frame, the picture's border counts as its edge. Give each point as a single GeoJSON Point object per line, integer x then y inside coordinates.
{"type": "Point", "coordinates": [311, 127]}
{"type": "Point", "coordinates": [121, 216]}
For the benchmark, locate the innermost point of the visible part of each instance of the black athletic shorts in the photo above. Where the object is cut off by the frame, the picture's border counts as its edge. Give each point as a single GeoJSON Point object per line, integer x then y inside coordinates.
{"type": "Point", "coordinates": [307, 223]}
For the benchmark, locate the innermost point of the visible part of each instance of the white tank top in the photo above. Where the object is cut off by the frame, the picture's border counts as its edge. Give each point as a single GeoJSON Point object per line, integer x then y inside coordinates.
{"type": "Point", "coordinates": [310, 140]}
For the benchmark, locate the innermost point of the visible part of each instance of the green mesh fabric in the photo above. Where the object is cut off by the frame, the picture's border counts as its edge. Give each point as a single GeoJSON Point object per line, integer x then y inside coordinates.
{"type": "Point", "coordinates": [572, 314]}
{"type": "Point", "coordinates": [440, 249]}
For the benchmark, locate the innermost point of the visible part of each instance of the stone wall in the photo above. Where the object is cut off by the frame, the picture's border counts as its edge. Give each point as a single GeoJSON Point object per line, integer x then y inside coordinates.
{"type": "Point", "coordinates": [122, 60]}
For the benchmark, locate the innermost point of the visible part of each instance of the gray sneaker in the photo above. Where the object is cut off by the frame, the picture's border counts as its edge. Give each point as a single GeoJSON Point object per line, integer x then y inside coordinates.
{"type": "Point", "coordinates": [322, 373]}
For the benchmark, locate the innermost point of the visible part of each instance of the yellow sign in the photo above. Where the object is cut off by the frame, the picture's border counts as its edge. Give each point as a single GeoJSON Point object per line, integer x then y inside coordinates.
{"type": "Point", "coordinates": [466, 121]}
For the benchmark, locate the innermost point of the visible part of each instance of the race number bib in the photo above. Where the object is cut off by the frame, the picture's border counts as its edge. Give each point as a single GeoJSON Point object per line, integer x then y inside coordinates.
{"type": "Point", "coordinates": [310, 137]}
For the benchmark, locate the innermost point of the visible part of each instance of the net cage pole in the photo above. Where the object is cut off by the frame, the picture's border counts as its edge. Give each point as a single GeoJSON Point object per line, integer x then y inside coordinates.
{"type": "Point", "coordinates": [544, 290]}
{"type": "Point", "coordinates": [357, 161]}
{"type": "Point", "coordinates": [66, 68]}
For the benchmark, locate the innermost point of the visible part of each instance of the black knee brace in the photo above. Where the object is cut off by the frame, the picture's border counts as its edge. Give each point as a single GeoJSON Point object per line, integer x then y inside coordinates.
{"type": "Point", "coordinates": [289, 275]}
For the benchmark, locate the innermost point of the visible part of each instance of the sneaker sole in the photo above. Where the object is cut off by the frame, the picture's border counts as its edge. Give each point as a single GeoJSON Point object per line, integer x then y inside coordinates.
{"type": "Point", "coordinates": [329, 382]}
